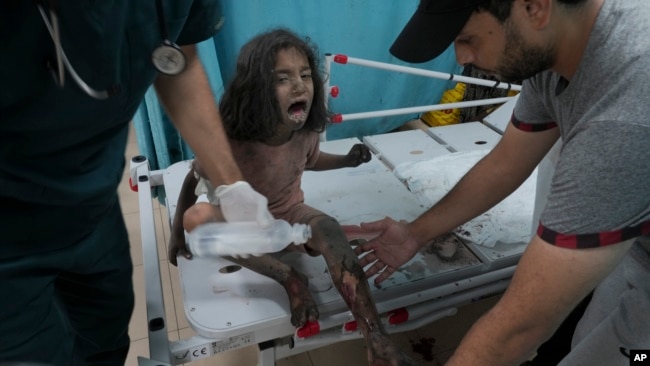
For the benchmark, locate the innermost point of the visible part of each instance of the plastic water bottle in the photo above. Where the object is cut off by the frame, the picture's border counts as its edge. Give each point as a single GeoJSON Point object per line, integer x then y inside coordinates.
{"type": "Point", "coordinates": [245, 238]}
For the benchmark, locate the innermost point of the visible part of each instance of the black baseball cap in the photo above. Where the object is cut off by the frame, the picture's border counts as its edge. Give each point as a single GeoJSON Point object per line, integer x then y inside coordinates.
{"type": "Point", "coordinates": [432, 29]}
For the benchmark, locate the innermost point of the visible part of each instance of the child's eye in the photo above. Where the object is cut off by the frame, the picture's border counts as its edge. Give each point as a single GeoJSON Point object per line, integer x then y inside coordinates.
{"type": "Point", "coordinates": [306, 76]}
{"type": "Point", "coordinates": [464, 41]}
{"type": "Point", "coordinates": [282, 79]}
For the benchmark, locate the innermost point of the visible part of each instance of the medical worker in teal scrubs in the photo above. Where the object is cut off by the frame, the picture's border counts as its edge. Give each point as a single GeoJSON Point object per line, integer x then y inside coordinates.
{"type": "Point", "coordinates": [72, 74]}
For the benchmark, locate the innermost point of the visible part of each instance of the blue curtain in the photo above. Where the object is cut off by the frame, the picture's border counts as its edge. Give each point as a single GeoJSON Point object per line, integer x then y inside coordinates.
{"type": "Point", "coordinates": [357, 28]}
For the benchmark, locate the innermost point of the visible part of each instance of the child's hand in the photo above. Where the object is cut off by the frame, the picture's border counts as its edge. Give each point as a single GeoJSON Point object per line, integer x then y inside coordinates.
{"type": "Point", "coordinates": [359, 154]}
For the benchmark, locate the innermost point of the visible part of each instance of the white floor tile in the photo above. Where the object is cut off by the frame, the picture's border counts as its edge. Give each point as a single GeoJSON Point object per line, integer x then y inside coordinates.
{"type": "Point", "coordinates": [168, 295]}
{"type": "Point", "coordinates": [177, 292]}
{"type": "Point", "coordinates": [138, 348]}
{"type": "Point", "coordinates": [165, 224]}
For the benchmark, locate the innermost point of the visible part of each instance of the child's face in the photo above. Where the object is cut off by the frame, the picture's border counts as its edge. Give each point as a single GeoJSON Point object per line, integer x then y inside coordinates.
{"type": "Point", "coordinates": [294, 89]}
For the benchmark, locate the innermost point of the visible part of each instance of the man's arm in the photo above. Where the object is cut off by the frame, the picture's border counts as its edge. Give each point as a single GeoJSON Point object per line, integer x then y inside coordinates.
{"type": "Point", "coordinates": [190, 104]}
{"type": "Point", "coordinates": [491, 180]}
{"type": "Point", "coordinates": [548, 283]}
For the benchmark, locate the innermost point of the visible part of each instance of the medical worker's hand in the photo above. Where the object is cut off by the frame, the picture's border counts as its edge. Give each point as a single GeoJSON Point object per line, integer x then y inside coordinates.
{"type": "Point", "coordinates": [240, 202]}
{"type": "Point", "coordinates": [389, 251]}
{"type": "Point", "coordinates": [359, 154]}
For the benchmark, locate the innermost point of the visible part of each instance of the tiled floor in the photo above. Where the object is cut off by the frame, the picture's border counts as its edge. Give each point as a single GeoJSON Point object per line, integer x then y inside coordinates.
{"type": "Point", "coordinates": [432, 344]}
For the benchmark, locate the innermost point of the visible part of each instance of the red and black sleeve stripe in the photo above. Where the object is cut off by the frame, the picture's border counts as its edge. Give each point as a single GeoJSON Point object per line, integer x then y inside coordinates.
{"type": "Point", "coordinates": [531, 127]}
{"type": "Point", "coordinates": [583, 241]}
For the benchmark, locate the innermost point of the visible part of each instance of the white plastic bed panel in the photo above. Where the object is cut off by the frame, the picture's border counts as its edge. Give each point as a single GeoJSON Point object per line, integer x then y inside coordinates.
{"type": "Point", "coordinates": [416, 145]}
{"type": "Point", "coordinates": [223, 300]}
{"type": "Point", "coordinates": [404, 146]}
{"type": "Point", "coordinates": [500, 118]}
{"type": "Point", "coordinates": [465, 136]}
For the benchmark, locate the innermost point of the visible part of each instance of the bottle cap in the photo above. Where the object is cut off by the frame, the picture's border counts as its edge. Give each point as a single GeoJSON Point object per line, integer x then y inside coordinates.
{"type": "Point", "coordinates": [300, 233]}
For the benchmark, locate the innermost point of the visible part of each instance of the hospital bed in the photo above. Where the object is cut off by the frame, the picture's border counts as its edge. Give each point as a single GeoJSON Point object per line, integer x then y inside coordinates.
{"type": "Point", "coordinates": [230, 307]}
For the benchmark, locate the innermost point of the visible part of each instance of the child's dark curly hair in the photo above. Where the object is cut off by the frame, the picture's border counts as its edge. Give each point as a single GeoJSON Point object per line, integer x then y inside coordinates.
{"type": "Point", "coordinates": [249, 108]}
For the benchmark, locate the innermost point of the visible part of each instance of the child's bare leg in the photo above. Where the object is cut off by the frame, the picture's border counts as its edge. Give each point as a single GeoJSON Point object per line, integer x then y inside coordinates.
{"type": "Point", "coordinates": [303, 306]}
{"type": "Point", "coordinates": [200, 213]}
{"type": "Point", "coordinates": [347, 274]}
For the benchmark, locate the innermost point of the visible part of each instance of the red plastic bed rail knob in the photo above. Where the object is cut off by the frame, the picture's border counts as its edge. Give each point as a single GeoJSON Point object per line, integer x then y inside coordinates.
{"type": "Point", "coordinates": [337, 118]}
{"type": "Point", "coordinates": [341, 59]}
{"type": "Point", "coordinates": [334, 91]}
{"type": "Point", "coordinates": [308, 330]}
{"type": "Point", "coordinates": [134, 187]}
{"type": "Point", "coordinates": [398, 316]}
{"type": "Point", "coordinates": [350, 326]}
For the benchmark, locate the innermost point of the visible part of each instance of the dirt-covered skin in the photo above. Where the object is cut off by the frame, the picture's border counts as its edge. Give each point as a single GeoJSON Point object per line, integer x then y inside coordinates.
{"type": "Point", "coordinates": [303, 307]}
{"type": "Point", "coordinates": [348, 276]}
{"type": "Point", "coordinates": [329, 240]}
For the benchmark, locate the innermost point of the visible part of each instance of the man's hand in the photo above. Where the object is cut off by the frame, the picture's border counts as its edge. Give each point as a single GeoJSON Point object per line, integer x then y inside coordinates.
{"type": "Point", "coordinates": [390, 250]}
{"type": "Point", "coordinates": [359, 154]}
{"type": "Point", "coordinates": [240, 202]}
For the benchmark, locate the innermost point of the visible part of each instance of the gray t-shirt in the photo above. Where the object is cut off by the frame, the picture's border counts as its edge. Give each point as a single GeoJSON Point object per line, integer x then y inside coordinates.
{"type": "Point", "coordinates": [600, 193]}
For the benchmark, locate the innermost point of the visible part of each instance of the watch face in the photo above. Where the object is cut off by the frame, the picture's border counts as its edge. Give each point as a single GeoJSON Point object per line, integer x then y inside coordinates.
{"type": "Point", "coordinates": [168, 59]}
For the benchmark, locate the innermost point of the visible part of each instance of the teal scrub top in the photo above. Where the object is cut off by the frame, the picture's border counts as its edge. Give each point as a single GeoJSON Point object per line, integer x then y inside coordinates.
{"type": "Point", "coordinates": [62, 151]}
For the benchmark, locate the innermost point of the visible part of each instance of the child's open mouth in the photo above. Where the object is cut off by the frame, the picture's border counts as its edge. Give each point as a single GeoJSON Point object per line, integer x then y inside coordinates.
{"type": "Point", "coordinates": [298, 112]}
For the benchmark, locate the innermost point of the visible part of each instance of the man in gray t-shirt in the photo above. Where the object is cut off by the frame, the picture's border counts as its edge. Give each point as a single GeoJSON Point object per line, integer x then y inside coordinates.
{"type": "Point", "coordinates": [583, 63]}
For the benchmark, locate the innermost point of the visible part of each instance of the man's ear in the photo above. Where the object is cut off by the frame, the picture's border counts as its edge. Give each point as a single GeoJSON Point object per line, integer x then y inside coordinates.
{"type": "Point", "coordinates": [538, 12]}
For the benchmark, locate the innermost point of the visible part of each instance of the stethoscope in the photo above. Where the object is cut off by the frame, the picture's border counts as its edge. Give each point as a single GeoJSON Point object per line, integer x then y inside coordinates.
{"type": "Point", "coordinates": [167, 58]}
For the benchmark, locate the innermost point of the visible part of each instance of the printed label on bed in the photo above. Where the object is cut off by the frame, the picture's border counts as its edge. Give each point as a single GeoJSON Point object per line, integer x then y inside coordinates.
{"type": "Point", "coordinates": [199, 352]}
{"type": "Point", "coordinates": [233, 343]}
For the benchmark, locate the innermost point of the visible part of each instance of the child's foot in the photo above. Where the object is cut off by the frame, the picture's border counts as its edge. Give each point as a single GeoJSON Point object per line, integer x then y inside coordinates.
{"type": "Point", "coordinates": [303, 307]}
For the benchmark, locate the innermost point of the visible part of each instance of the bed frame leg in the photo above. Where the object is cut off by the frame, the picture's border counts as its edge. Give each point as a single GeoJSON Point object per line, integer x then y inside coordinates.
{"type": "Point", "coordinates": [267, 353]}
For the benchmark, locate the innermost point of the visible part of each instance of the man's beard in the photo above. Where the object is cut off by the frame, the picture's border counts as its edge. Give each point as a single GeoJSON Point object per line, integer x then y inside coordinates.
{"type": "Point", "coordinates": [519, 61]}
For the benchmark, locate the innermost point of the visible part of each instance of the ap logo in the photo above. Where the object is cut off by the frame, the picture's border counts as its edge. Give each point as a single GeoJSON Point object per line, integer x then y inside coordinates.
{"type": "Point", "coordinates": [637, 357]}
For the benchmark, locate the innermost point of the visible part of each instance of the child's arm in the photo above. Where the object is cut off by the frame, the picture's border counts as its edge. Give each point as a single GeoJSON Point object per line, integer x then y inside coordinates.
{"type": "Point", "coordinates": [358, 155]}
{"type": "Point", "coordinates": [186, 198]}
